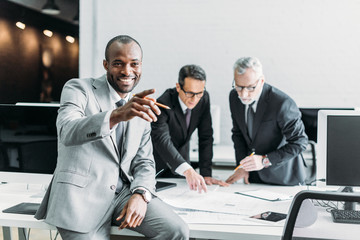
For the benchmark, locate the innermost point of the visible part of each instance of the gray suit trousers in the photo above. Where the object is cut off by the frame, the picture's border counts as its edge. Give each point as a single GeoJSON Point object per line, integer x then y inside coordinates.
{"type": "Point", "coordinates": [160, 222]}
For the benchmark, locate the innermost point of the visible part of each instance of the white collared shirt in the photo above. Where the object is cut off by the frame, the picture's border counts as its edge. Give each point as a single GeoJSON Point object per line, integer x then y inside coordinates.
{"type": "Point", "coordinates": [182, 105]}
{"type": "Point", "coordinates": [115, 97]}
{"type": "Point", "coordinates": [254, 106]}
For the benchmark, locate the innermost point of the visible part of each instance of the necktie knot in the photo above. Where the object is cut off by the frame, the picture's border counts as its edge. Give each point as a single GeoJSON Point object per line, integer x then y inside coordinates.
{"type": "Point", "coordinates": [120, 103]}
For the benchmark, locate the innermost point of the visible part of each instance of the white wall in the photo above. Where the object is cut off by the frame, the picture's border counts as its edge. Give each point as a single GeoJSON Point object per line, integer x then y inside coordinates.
{"type": "Point", "coordinates": [309, 48]}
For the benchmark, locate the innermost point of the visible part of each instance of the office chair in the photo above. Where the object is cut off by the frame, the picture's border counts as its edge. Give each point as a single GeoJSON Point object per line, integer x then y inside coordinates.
{"type": "Point", "coordinates": [316, 195]}
{"type": "Point", "coordinates": [309, 118]}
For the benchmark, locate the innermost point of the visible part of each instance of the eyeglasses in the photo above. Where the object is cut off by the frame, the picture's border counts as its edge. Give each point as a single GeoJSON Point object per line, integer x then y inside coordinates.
{"type": "Point", "coordinates": [192, 94]}
{"type": "Point", "coordinates": [249, 89]}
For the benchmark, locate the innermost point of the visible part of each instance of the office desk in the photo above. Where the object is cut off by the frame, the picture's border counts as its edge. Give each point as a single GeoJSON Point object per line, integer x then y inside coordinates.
{"type": "Point", "coordinates": [251, 230]}
{"type": "Point", "coordinates": [13, 194]}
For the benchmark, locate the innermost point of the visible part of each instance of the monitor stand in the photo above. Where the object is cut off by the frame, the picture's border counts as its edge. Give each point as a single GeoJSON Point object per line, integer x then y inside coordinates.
{"type": "Point", "coordinates": [348, 205]}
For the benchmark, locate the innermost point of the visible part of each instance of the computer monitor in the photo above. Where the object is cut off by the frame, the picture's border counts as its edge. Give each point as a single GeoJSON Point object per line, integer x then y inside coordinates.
{"type": "Point", "coordinates": [28, 143]}
{"type": "Point", "coordinates": [309, 116]}
{"type": "Point", "coordinates": [338, 160]}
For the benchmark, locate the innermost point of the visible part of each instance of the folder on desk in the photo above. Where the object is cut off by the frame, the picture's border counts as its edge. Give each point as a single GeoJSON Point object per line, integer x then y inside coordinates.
{"type": "Point", "coordinates": [23, 208]}
{"type": "Point", "coordinates": [266, 195]}
{"type": "Point", "coordinates": [164, 185]}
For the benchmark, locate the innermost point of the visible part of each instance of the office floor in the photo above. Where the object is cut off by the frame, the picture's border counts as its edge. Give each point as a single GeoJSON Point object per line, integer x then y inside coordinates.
{"type": "Point", "coordinates": [35, 234]}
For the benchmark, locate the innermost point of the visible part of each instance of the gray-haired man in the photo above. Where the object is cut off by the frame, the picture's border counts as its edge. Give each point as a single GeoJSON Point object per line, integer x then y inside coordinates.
{"type": "Point", "coordinates": [267, 132]}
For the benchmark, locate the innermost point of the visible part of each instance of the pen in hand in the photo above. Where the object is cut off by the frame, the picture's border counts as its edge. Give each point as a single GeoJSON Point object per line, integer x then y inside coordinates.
{"type": "Point", "coordinates": [156, 103]}
{"type": "Point", "coordinates": [240, 165]}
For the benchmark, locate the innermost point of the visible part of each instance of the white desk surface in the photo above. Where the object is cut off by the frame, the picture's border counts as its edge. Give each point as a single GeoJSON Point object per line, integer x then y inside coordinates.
{"type": "Point", "coordinates": [325, 228]}
{"type": "Point", "coordinates": [12, 194]}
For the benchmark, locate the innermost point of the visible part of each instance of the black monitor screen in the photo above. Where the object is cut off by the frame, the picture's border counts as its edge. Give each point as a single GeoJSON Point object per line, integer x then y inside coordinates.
{"type": "Point", "coordinates": [28, 140]}
{"type": "Point", "coordinates": [343, 150]}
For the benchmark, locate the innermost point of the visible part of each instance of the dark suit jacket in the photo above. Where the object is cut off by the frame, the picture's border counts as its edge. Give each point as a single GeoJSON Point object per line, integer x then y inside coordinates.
{"type": "Point", "coordinates": [278, 132]}
{"type": "Point", "coordinates": [171, 138]}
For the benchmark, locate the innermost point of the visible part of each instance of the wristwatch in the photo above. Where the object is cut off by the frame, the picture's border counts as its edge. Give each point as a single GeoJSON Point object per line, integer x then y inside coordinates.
{"type": "Point", "coordinates": [266, 162]}
{"type": "Point", "coordinates": [144, 193]}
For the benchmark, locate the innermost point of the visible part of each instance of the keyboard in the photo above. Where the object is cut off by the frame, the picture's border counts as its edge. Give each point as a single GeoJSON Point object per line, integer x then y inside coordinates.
{"type": "Point", "coordinates": [346, 216]}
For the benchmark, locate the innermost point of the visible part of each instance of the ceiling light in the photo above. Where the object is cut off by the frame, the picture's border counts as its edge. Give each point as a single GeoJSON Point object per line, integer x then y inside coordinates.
{"type": "Point", "coordinates": [50, 8]}
{"type": "Point", "coordinates": [20, 25]}
{"type": "Point", "coordinates": [48, 33]}
{"type": "Point", "coordinates": [70, 39]}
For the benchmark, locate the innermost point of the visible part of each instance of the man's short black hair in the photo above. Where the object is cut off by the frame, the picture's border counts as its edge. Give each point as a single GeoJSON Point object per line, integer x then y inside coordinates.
{"type": "Point", "coordinates": [192, 71]}
{"type": "Point", "coordinates": [124, 39]}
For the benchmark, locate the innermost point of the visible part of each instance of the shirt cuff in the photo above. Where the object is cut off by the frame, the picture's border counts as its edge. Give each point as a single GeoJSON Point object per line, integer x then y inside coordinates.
{"type": "Point", "coordinates": [107, 119]}
{"type": "Point", "coordinates": [142, 188]}
{"type": "Point", "coordinates": [182, 168]}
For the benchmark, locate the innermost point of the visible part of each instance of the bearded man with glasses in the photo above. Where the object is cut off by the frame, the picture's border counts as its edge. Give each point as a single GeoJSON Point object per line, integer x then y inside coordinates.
{"type": "Point", "coordinates": [267, 132]}
{"type": "Point", "coordinates": [190, 110]}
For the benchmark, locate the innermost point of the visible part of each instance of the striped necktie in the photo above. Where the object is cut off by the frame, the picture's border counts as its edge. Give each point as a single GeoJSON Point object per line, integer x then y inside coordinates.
{"type": "Point", "coordinates": [120, 127]}
{"type": "Point", "coordinates": [119, 137]}
{"type": "Point", "coordinates": [187, 117]}
{"type": "Point", "coordinates": [250, 120]}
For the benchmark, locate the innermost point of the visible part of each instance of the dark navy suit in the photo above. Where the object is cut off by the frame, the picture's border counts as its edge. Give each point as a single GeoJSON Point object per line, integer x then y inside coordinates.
{"type": "Point", "coordinates": [171, 137]}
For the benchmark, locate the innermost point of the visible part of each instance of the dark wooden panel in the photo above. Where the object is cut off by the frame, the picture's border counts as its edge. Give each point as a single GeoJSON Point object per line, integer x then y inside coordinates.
{"type": "Point", "coordinates": [21, 66]}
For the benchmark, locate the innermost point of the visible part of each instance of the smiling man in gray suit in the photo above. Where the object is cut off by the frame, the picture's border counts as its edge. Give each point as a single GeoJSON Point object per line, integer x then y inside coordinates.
{"type": "Point", "coordinates": [105, 172]}
{"type": "Point", "coordinates": [267, 132]}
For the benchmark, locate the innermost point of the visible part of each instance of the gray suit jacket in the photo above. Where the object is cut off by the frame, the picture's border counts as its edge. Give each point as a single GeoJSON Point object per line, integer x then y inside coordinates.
{"type": "Point", "coordinates": [87, 171]}
{"type": "Point", "coordinates": [278, 132]}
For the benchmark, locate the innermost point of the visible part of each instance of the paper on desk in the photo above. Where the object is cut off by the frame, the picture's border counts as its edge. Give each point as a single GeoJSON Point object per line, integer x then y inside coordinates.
{"type": "Point", "coordinates": [266, 195]}
{"type": "Point", "coordinates": [213, 201]}
{"type": "Point", "coordinates": [192, 216]}
{"type": "Point", "coordinates": [206, 217]}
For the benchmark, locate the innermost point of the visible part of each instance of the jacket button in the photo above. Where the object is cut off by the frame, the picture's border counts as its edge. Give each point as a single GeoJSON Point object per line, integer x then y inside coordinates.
{"type": "Point", "coordinates": [112, 187]}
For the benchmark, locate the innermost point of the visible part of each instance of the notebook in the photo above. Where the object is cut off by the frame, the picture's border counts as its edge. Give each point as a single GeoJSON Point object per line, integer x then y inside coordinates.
{"type": "Point", "coordinates": [23, 208]}
{"type": "Point", "coordinates": [164, 185]}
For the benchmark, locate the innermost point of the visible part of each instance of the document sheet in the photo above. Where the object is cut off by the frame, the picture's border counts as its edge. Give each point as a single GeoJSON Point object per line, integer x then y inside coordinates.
{"type": "Point", "coordinates": [215, 207]}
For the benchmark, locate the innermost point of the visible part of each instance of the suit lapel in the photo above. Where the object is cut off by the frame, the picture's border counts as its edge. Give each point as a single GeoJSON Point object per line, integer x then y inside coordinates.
{"type": "Point", "coordinates": [260, 109]}
{"type": "Point", "coordinates": [180, 117]}
{"type": "Point", "coordinates": [242, 124]}
{"type": "Point", "coordinates": [102, 95]}
{"type": "Point", "coordinates": [195, 114]}
{"type": "Point", "coordinates": [101, 92]}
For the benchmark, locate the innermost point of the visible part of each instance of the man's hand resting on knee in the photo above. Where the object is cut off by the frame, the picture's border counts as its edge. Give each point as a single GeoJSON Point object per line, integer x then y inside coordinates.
{"type": "Point", "coordinates": [134, 212]}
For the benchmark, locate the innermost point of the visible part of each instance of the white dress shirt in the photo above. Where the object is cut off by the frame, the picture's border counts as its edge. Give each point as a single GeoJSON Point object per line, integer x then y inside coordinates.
{"type": "Point", "coordinates": [184, 166]}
